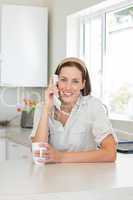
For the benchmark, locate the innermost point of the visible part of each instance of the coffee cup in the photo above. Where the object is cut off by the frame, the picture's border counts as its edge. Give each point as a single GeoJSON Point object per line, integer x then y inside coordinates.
{"type": "Point", "coordinates": [36, 146]}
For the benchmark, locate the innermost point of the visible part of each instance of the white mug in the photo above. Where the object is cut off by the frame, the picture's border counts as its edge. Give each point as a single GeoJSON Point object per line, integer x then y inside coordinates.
{"type": "Point", "coordinates": [36, 147]}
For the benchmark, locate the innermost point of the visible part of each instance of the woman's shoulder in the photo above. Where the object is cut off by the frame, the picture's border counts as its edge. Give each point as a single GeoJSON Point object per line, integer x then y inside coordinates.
{"type": "Point", "coordinates": [94, 105]}
{"type": "Point", "coordinates": [90, 100]}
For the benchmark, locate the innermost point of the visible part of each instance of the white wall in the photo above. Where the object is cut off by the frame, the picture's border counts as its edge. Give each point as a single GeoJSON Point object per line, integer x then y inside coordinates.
{"type": "Point", "coordinates": [61, 9]}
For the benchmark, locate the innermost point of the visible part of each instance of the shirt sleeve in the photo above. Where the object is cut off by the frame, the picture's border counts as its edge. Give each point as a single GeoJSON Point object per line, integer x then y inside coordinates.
{"type": "Point", "coordinates": [37, 116]}
{"type": "Point", "coordinates": [101, 124]}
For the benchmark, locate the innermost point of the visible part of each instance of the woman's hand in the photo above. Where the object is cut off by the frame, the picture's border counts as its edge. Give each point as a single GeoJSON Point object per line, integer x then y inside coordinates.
{"type": "Point", "coordinates": [48, 95]}
{"type": "Point", "coordinates": [51, 155]}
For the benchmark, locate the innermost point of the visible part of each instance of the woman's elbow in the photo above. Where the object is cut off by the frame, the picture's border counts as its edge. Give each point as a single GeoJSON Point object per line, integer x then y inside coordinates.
{"type": "Point", "coordinates": [111, 157]}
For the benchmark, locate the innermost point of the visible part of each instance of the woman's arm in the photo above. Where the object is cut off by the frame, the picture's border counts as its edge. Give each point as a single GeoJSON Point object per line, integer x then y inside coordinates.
{"type": "Point", "coordinates": [106, 153]}
{"type": "Point", "coordinates": [41, 134]}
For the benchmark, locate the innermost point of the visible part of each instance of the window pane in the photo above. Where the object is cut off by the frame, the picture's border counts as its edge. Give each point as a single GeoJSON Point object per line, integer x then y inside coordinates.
{"type": "Point", "coordinates": [118, 86]}
{"type": "Point", "coordinates": [93, 52]}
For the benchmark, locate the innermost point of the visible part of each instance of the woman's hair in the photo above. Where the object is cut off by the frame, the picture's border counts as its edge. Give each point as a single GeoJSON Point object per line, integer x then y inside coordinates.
{"type": "Point", "coordinates": [80, 65]}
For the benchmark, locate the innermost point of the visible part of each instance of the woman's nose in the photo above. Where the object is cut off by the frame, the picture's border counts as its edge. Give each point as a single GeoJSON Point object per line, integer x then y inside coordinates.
{"type": "Point", "coordinates": [68, 85]}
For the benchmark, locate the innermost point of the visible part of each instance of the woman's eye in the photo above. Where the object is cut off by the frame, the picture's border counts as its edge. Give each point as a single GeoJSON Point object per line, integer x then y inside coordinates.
{"type": "Point", "coordinates": [75, 81]}
{"type": "Point", "coordinates": [65, 80]}
{"type": "Point", "coordinates": [62, 79]}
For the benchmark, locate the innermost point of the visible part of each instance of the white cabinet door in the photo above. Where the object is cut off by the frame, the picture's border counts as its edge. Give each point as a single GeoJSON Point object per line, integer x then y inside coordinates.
{"type": "Point", "coordinates": [24, 45]}
{"type": "Point", "coordinates": [2, 149]}
{"type": "Point", "coordinates": [17, 151]}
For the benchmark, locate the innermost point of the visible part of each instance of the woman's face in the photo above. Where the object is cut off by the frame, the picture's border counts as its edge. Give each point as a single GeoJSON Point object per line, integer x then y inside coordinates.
{"type": "Point", "coordinates": [70, 83]}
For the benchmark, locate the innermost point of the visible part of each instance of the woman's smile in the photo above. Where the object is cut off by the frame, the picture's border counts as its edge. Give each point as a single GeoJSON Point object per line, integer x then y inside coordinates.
{"type": "Point", "coordinates": [66, 94]}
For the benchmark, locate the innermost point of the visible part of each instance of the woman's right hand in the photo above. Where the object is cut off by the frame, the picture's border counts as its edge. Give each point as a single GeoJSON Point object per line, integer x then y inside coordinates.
{"type": "Point", "coordinates": [48, 95]}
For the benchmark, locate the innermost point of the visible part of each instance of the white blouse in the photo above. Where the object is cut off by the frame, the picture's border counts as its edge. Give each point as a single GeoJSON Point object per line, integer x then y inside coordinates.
{"type": "Point", "coordinates": [84, 130]}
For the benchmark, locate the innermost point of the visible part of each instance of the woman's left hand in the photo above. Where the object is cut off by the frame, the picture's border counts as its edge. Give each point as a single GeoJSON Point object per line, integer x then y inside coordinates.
{"type": "Point", "coordinates": [51, 154]}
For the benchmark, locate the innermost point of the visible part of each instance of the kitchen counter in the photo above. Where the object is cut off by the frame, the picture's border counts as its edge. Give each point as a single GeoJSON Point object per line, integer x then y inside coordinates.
{"type": "Point", "coordinates": [16, 134]}
{"type": "Point", "coordinates": [21, 179]}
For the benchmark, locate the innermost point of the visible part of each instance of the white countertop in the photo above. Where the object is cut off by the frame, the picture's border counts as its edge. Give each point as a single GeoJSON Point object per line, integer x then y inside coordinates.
{"type": "Point", "coordinates": [52, 180]}
{"type": "Point", "coordinates": [16, 134]}
{"type": "Point", "coordinates": [21, 179]}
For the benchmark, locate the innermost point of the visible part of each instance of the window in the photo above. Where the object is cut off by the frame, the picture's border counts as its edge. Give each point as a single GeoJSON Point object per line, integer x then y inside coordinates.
{"type": "Point", "coordinates": [106, 45]}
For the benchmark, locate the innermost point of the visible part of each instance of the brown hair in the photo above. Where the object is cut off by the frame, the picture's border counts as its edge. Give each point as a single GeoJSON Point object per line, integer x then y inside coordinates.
{"type": "Point", "coordinates": [79, 64]}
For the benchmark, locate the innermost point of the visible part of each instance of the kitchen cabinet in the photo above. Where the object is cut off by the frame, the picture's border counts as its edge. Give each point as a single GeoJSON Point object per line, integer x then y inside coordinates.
{"type": "Point", "coordinates": [12, 151]}
{"type": "Point", "coordinates": [23, 46]}
{"type": "Point", "coordinates": [2, 149]}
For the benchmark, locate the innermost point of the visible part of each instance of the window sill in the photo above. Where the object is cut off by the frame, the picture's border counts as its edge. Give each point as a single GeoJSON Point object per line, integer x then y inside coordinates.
{"type": "Point", "coordinates": [121, 118]}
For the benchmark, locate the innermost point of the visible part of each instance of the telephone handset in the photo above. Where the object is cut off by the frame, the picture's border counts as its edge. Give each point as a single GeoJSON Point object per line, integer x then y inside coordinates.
{"type": "Point", "coordinates": [56, 100]}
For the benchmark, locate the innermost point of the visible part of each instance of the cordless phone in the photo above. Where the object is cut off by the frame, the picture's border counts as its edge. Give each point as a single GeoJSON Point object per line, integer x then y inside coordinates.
{"type": "Point", "coordinates": [56, 100]}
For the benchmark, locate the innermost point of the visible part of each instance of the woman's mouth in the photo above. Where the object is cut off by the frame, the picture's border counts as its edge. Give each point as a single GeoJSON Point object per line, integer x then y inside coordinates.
{"type": "Point", "coordinates": [66, 94]}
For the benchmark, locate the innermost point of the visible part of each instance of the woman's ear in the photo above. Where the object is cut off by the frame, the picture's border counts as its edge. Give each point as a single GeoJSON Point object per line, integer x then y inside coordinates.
{"type": "Point", "coordinates": [83, 84]}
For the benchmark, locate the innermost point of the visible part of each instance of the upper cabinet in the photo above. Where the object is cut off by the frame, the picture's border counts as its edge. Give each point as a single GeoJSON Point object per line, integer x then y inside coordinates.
{"type": "Point", "coordinates": [23, 44]}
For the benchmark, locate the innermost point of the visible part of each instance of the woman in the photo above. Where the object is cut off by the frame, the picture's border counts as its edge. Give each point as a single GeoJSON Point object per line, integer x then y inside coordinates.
{"type": "Point", "coordinates": [79, 131]}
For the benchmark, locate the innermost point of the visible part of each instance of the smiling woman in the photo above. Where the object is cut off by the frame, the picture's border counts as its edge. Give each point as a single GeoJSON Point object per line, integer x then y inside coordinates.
{"type": "Point", "coordinates": [79, 131]}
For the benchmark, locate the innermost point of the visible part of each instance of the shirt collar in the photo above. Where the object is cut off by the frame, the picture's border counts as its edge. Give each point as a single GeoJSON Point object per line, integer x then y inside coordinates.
{"type": "Point", "coordinates": [81, 100]}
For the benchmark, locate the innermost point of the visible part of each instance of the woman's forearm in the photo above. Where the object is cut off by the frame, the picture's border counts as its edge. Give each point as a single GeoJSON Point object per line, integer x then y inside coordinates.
{"type": "Point", "coordinates": [106, 153]}
{"type": "Point", "coordinates": [88, 156]}
{"type": "Point", "coordinates": [42, 130]}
